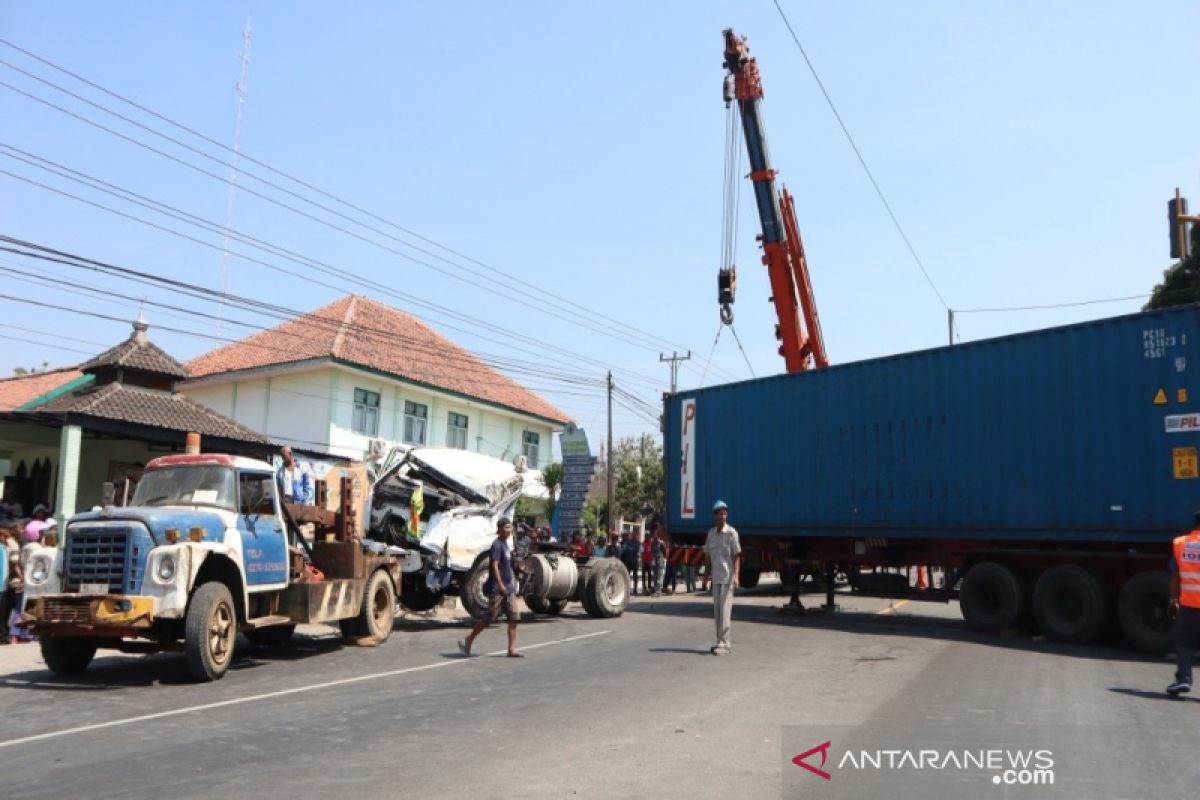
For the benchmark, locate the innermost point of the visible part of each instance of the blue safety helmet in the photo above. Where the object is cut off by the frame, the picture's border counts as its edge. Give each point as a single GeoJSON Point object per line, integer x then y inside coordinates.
{"type": "Point", "coordinates": [720, 506]}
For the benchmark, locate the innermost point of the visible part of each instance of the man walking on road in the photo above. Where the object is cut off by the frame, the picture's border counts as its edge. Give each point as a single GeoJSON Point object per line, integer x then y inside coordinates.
{"type": "Point", "coordinates": [501, 587]}
{"type": "Point", "coordinates": [724, 558]}
{"type": "Point", "coordinates": [1185, 604]}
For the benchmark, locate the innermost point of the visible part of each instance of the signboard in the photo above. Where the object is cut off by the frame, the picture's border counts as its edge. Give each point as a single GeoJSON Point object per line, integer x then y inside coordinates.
{"type": "Point", "coordinates": [687, 479]}
{"type": "Point", "coordinates": [578, 468]}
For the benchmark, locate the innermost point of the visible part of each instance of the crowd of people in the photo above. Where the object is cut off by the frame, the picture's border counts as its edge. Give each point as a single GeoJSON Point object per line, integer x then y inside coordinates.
{"type": "Point", "coordinates": [18, 537]}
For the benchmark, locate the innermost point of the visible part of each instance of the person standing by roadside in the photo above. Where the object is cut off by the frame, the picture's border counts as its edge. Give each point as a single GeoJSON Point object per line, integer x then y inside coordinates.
{"type": "Point", "coordinates": [613, 548]}
{"type": "Point", "coordinates": [501, 587]}
{"type": "Point", "coordinates": [658, 555]}
{"type": "Point", "coordinates": [631, 557]}
{"type": "Point", "coordinates": [15, 590]}
{"type": "Point", "coordinates": [648, 563]}
{"type": "Point", "coordinates": [725, 558]}
{"type": "Point", "coordinates": [1185, 604]}
{"type": "Point", "coordinates": [6, 533]}
{"type": "Point", "coordinates": [295, 479]}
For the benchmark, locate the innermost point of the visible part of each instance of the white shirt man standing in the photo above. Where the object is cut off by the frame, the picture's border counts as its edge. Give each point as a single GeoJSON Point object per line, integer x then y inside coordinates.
{"type": "Point", "coordinates": [724, 552]}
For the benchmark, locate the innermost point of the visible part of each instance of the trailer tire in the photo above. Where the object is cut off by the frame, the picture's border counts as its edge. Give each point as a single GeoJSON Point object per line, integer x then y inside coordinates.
{"type": "Point", "coordinates": [607, 592]}
{"type": "Point", "coordinates": [67, 655]}
{"type": "Point", "coordinates": [474, 601]}
{"type": "Point", "coordinates": [991, 598]}
{"type": "Point", "coordinates": [415, 595]}
{"type": "Point", "coordinates": [1069, 604]}
{"type": "Point", "coordinates": [540, 605]}
{"type": "Point", "coordinates": [748, 576]}
{"type": "Point", "coordinates": [1142, 613]}
{"type": "Point", "coordinates": [210, 631]}
{"type": "Point", "coordinates": [274, 636]}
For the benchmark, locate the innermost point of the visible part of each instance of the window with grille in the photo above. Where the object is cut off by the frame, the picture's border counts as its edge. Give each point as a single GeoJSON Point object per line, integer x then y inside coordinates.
{"type": "Point", "coordinates": [416, 417]}
{"type": "Point", "coordinates": [529, 448]}
{"type": "Point", "coordinates": [456, 431]}
{"type": "Point", "coordinates": [366, 413]}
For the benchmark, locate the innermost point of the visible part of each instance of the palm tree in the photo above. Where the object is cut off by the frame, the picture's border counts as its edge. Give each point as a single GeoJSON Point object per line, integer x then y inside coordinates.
{"type": "Point", "coordinates": [552, 477]}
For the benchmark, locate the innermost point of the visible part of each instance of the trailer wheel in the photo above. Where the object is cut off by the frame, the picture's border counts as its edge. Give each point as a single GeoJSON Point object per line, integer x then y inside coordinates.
{"type": "Point", "coordinates": [274, 636]}
{"type": "Point", "coordinates": [607, 591]}
{"type": "Point", "coordinates": [377, 614]}
{"type": "Point", "coordinates": [991, 598]}
{"type": "Point", "coordinates": [1069, 604]}
{"type": "Point", "coordinates": [210, 631]}
{"type": "Point", "coordinates": [415, 594]}
{"type": "Point", "coordinates": [474, 601]}
{"type": "Point", "coordinates": [748, 576]}
{"type": "Point", "coordinates": [67, 655]}
{"type": "Point", "coordinates": [1142, 612]}
{"type": "Point", "coordinates": [540, 605]}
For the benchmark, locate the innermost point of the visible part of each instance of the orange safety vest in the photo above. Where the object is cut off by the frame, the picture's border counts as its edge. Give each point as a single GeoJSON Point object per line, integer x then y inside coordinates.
{"type": "Point", "coordinates": [1187, 561]}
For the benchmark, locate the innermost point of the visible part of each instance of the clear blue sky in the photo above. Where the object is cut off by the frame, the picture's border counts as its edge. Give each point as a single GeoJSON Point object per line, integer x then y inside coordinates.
{"type": "Point", "coordinates": [1028, 149]}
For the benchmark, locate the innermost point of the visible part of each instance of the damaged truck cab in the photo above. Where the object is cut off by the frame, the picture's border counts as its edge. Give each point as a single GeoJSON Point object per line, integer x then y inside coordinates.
{"type": "Point", "coordinates": [204, 551]}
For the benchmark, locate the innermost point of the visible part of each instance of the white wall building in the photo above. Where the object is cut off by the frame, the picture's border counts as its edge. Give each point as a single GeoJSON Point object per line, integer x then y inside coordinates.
{"type": "Point", "coordinates": [358, 371]}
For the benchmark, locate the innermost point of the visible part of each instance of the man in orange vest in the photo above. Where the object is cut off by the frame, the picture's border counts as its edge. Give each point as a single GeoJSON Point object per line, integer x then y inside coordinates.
{"type": "Point", "coordinates": [1185, 605]}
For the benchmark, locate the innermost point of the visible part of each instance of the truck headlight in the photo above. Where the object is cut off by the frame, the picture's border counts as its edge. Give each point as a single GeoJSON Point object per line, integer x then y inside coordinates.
{"type": "Point", "coordinates": [39, 570]}
{"type": "Point", "coordinates": [165, 571]}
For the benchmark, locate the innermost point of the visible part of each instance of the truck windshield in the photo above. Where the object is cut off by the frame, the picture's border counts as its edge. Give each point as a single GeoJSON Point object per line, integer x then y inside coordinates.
{"type": "Point", "coordinates": [192, 485]}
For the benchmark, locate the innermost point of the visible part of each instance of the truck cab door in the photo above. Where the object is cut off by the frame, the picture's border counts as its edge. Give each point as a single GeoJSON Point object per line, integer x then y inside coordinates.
{"type": "Point", "coordinates": [264, 541]}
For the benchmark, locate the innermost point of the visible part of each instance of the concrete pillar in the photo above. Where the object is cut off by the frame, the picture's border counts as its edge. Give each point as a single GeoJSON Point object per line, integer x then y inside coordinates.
{"type": "Point", "coordinates": [69, 447]}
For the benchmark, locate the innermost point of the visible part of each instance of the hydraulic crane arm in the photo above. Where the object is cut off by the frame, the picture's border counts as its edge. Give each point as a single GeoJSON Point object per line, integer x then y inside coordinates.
{"type": "Point", "coordinates": [799, 328]}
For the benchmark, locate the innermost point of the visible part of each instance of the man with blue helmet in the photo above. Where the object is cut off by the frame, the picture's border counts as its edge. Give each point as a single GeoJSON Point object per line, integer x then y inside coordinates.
{"type": "Point", "coordinates": [724, 552]}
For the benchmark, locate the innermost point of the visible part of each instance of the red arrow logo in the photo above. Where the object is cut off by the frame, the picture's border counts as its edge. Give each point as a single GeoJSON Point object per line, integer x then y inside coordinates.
{"type": "Point", "coordinates": [823, 749]}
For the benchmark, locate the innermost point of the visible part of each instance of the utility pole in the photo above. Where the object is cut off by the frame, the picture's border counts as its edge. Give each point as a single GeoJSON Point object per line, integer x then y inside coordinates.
{"type": "Point", "coordinates": [950, 321]}
{"type": "Point", "coordinates": [674, 360]}
{"type": "Point", "coordinates": [244, 55]}
{"type": "Point", "coordinates": [608, 466]}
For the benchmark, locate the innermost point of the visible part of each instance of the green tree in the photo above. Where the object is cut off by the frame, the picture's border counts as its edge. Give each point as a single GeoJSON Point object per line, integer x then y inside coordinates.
{"type": "Point", "coordinates": [639, 490]}
{"type": "Point", "coordinates": [552, 477]}
{"type": "Point", "coordinates": [1181, 282]}
{"type": "Point", "coordinates": [593, 513]}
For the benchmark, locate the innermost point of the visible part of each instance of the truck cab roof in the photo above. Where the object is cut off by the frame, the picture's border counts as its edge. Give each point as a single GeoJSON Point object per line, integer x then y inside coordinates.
{"type": "Point", "coordinates": [210, 459]}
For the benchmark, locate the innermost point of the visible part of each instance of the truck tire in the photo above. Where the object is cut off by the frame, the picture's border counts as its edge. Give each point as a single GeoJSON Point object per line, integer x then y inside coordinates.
{"type": "Point", "coordinates": [210, 631]}
{"type": "Point", "coordinates": [377, 614]}
{"type": "Point", "coordinates": [415, 595]}
{"type": "Point", "coordinates": [274, 636]}
{"type": "Point", "coordinates": [67, 655]}
{"type": "Point", "coordinates": [1069, 604]}
{"type": "Point", "coordinates": [540, 605]}
{"type": "Point", "coordinates": [748, 576]}
{"type": "Point", "coordinates": [991, 597]}
{"type": "Point", "coordinates": [474, 601]}
{"type": "Point", "coordinates": [1142, 613]}
{"type": "Point", "coordinates": [607, 591]}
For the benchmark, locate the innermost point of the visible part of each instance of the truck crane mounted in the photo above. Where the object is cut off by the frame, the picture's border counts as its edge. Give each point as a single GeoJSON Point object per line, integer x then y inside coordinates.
{"type": "Point", "coordinates": [799, 328]}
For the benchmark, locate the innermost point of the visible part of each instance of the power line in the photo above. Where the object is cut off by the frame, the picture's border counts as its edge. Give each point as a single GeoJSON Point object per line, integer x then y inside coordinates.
{"type": "Point", "coordinates": [887, 206]}
{"type": "Point", "coordinates": [1054, 305]}
{"type": "Point", "coordinates": [540, 289]}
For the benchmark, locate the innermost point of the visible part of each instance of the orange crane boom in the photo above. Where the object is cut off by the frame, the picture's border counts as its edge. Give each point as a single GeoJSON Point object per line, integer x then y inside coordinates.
{"type": "Point", "coordinates": [799, 328]}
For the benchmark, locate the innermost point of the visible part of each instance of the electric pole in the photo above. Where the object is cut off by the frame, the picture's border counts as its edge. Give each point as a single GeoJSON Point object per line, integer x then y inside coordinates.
{"type": "Point", "coordinates": [674, 360]}
{"type": "Point", "coordinates": [608, 510]}
{"type": "Point", "coordinates": [950, 321]}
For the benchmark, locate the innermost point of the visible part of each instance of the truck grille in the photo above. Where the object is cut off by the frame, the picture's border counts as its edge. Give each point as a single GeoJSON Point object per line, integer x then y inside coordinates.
{"type": "Point", "coordinates": [67, 609]}
{"type": "Point", "coordinates": [97, 556]}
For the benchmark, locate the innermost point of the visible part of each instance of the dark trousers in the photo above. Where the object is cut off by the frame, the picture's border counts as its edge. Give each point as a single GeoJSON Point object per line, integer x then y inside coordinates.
{"type": "Point", "coordinates": [5, 607]}
{"type": "Point", "coordinates": [1187, 638]}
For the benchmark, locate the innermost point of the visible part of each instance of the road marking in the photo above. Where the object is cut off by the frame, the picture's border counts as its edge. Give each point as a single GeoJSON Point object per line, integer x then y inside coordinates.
{"type": "Point", "coordinates": [281, 693]}
{"type": "Point", "coordinates": [893, 607]}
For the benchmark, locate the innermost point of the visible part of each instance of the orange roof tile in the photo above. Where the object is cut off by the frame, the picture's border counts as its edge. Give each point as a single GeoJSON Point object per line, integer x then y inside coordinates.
{"type": "Point", "coordinates": [367, 333]}
{"type": "Point", "coordinates": [16, 392]}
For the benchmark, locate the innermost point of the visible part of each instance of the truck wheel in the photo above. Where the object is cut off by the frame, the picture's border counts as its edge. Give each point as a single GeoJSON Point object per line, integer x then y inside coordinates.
{"type": "Point", "coordinates": [1069, 604]}
{"type": "Point", "coordinates": [473, 599]}
{"type": "Point", "coordinates": [415, 594]}
{"type": "Point", "coordinates": [991, 598]}
{"type": "Point", "coordinates": [748, 576]}
{"type": "Point", "coordinates": [67, 655]}
{"type": "Point", "coordinates": [607, 591]}
{"type": "Point", "coordinates": [378, 607]}
{"type": "Point", "coordinates": [1142, 613]}
{"type": "Point", "coordinates": [540, 605]}
{"type": "Point", "coordinates": [274, 636]}
{"type": "Point", "coordinates": [210, 632]}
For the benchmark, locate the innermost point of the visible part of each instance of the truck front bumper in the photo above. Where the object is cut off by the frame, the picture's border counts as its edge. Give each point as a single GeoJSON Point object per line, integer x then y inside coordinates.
{"type": "Point", "coordinates": [94, 615]}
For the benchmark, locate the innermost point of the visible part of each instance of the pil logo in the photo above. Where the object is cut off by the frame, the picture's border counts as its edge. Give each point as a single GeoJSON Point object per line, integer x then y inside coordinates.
{"type": "Point", "coordinates": [800, 760]}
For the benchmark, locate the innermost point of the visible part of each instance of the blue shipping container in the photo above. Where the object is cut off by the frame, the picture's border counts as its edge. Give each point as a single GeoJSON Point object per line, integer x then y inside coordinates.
{"type": "Point", "coordinates": [1082, 433]}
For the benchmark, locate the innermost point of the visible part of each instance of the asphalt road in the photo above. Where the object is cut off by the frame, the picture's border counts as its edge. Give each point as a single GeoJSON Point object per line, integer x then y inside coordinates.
{"type": "Point", "coordinates": [606, 708]}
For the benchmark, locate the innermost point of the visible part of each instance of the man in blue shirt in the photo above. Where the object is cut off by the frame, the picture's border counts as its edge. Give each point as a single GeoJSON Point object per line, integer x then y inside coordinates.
{"type": "Point", "coordinates": [501, 587]}
{"type": "Point", "coordinates": [295, 479]}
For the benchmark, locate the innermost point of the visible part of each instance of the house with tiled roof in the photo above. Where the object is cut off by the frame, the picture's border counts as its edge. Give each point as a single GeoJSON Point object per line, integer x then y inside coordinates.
{"type": "Point", "coordinates": [358, 375]}
{"type": "Point", "coordinates": [64, 433]}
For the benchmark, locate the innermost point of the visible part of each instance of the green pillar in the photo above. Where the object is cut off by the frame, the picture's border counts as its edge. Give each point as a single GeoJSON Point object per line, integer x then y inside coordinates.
{"type": "Point", "coordinates": [69, 446]}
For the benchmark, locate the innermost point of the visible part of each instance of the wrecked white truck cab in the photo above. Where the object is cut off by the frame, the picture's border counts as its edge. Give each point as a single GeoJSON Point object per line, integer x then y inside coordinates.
{"type": "Point", "coordinates": [445, 504]}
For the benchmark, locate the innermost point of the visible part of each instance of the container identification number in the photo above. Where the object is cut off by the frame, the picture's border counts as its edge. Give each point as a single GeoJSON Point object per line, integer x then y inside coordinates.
{"type": "Point", "coordinates": [1156, 342]}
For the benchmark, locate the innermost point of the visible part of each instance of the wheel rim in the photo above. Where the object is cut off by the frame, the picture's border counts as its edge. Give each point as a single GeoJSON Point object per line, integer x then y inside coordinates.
{"type": "Point", "coordinates": [614, 589]}
{"type": "Point", "coordinates": [381, 607]}
{"type": "Point", "coordinates": [221, 633]}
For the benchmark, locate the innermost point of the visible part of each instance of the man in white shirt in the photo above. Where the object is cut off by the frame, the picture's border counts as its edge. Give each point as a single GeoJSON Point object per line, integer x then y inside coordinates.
{"type": "Point", "coordinates": [725, 559]}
